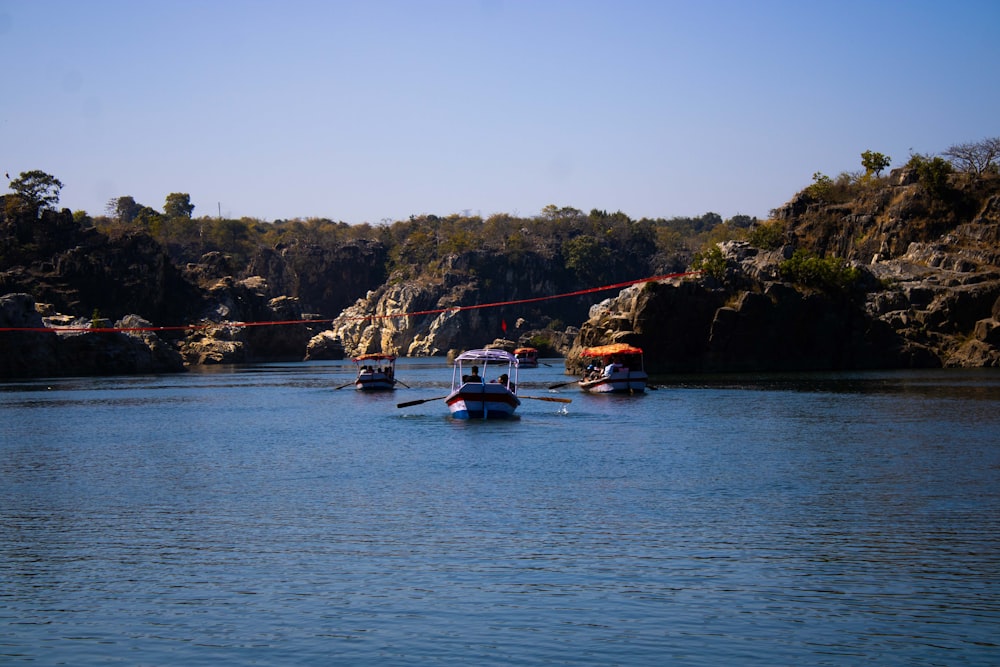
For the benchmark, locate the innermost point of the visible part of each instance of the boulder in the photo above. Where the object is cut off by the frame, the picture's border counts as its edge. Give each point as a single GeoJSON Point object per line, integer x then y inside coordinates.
{"type": "Point", "coordinates": [324, 346]}
{"type": "Point", "coordinates": [215, 344]}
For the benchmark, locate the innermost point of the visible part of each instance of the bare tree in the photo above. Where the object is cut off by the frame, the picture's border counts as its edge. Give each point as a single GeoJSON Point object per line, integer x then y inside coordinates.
{"type": "Point", "coordinates": [977, 157]}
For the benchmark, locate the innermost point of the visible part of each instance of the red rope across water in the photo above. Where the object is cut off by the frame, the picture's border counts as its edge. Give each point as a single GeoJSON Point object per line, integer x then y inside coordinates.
{"type": "Point", "coordinates": [435, 311]}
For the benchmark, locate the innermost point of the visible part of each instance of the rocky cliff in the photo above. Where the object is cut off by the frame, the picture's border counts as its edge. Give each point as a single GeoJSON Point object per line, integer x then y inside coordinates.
{"type": "Point", "coordinates": [56, 273]}
{"type": "Point", "coordinates": [79, 270]}
{"type": "Point", "coordinates": [926, 292]}
{"type": "Point", "coordinates": [924, 268]}
{"type": "Point", "coordinates": [464, 280]}
{"type": "Point", "coordinates": [325, 280]}
{"type": "Point", "coordinates": [76, 347]}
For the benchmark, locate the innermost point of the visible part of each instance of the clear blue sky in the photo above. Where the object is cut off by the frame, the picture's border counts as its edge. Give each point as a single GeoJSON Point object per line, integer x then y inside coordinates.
{"type": "Point", "coordinates": [372, 110]}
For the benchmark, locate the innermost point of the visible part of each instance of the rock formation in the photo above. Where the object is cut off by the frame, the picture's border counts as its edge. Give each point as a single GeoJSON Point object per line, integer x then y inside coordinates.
{"type": "Point", "coordinates": [438, 325]}
{"type": "Point", "coordinates": [924, 289]}
{"type": "Point", "coordinates": [324, 280]}
{"type": "Point", "coordinates": [241, 324]}
{"type": "Point", "coordinates": [324, 346]}
{"type": "Point", "coordinates": [927, 294]}
{"type": "Point", "coordinates": [75, 348]}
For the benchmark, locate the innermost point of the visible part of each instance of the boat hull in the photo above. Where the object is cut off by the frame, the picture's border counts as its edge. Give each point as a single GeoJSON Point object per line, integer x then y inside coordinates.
{"type": "Point", "coordinates": [374, 385]}
{"type": "Point", "coordinates": [482, 401]}
{"type": "Point", "coordinates": [374, 382]}
{"type": "Point", "coordinates": [619, 383]}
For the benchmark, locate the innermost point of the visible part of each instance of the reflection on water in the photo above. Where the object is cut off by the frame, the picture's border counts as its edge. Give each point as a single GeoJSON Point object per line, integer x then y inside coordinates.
{"type": "Point", "coordinates": [258, 515]}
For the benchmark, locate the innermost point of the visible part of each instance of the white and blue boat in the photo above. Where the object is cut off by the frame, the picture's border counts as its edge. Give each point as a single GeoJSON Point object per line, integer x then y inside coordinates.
{"type": "Point", "coordinates": [484, 385]}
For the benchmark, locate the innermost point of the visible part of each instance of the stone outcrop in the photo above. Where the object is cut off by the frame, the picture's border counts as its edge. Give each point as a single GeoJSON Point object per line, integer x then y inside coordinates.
{"type": "Point", "coordinates": [928, 294]}
{"type": "Point", "coordinates": [79, 270]}
{"type": "Point", "coordinates": [75, 348]}
{"type": "Point", "coordinates": [240, 324]}
{"type": "Point", "coordinates": [325, 280]}
{"type": "Point", "coordinates": [370, 325]}
{"type": "Point", "coordinates": [324, 346]}
{"type": "Point", "coordinates": [689, 326]}
{"type": "Point", "coordinates": [442, 320]}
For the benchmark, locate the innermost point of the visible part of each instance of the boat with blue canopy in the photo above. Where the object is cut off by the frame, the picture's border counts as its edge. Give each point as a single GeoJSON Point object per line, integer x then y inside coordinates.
{"type": "Point", "coordinates": [484, 385]}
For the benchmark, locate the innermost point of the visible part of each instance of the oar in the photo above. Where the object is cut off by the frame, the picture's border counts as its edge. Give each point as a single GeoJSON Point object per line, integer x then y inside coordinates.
{"type": "Point", "coordinates": [561, 384]}
{"type": "Point", "coordinates": [548, 398]}
{"type": "Point", "coordinates": [407, 404]}
{"type": "Point", "coordinates": [346, 385]}
{"type": "Point", "coordinates": [403, 383]}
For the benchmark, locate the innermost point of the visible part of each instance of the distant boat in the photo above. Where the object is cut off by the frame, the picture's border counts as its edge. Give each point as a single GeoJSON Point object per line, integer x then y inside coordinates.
{"type": "Point", "coordinates": [375, 372]}
{"type": "Point", "coordinates": [617, 369]}
{"type": "Point", "coordinates": [484, 385]}
{"type": "Point", "coordinates": [527, 357]}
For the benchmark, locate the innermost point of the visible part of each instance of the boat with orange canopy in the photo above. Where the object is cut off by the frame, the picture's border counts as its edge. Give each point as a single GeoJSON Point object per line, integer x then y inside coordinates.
{"type": "Point", "coordinates": [614, 369]}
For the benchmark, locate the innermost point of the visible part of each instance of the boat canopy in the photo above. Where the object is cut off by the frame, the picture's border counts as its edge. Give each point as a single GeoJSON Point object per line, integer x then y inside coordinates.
{"type": "Point", "coordinates": [610, 350]}
{"type": "Point", "coordinates": [525, 350]}
{"type": "Point", "coordinates": [375, 357]}
{"type": "Point", "coordinates": [487, 355]}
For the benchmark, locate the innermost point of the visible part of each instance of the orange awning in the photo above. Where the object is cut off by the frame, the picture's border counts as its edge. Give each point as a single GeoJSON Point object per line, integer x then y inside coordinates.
{"type": "Point", "coordinates": [610, 350]}
{"type": "Point", "coordinates": [376, 357]}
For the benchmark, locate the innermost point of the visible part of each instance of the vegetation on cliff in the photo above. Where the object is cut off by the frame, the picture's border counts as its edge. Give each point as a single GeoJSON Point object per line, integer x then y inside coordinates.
{"type": "Point", "coordinates": [328, 264]}
{"type": "Point", "coordinates": [857, 271]}
{"type": "Point", "coordinates": [838, 236]}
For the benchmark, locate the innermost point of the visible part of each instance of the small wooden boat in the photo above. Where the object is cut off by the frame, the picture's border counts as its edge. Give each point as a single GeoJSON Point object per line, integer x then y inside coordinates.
{"type": "Point", "coordinates": [484, 385]}
{"type": "Point", "coordinates": [616, 369]}
{"type": "Point", "coordinates": [375, 372]}
{"type": "Point", "coordinates": [527, 357]}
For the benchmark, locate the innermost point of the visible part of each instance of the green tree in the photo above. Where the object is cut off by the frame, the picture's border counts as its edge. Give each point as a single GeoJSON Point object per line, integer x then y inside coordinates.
{"type": "Point", "coordinates": [740, 221]}
{"type": "Point", "coordinates": [822, 186]}
{"type": "Point", "coordinates": [874, 162]}
{"type": "Point", "coordinates": [831, 274]}
{"type": "Point", "coordinates": [83, 219]}
{"type": "Point", "coordinates": [711, 262]}
{"type": "Point", "coordinates": [37, 190]}
{"type": "Point", "coordinates": [553, 212]}
{"type": "Point", "coordinates": [587, 257]}
{"type": "Point", "coordinates": [767, 236]}
{"type": "Point", "coordinates": [148, 217]}
{"type": "Point", "coordinates": [178, 205]}
{"type": "Point", "coordinates": [123, 209]}
{"type": "Point", "coordinates": [933, 173]}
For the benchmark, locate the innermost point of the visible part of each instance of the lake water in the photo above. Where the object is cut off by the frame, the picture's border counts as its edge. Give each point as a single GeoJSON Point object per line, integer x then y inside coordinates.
{"type": "Point", "coordinates": [257, 515]}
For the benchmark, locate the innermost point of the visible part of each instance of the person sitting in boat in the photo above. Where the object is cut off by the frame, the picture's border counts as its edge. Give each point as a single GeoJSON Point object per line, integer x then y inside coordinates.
{"type": "Point", "coordinates": [504, 380]}
{"type": "Point", "coordinates": [592, 372]}
{"type": "Point", "coordinates": [472, 377]}
{"type": "Point", "coordinates": [614, 366]}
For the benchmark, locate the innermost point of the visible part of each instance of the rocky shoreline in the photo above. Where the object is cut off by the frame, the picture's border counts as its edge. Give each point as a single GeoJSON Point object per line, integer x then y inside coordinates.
{"type": "Point", "coordinates": [926, 295]}
{"type": "Point", "coordinates": [934, 304]}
